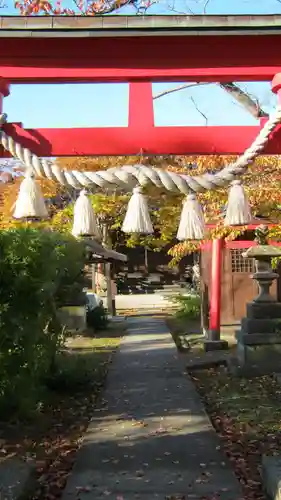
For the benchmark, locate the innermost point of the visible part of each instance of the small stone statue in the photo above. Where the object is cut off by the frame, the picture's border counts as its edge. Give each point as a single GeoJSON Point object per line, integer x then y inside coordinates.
{"type": "Point", "coordinates": [261, 234]}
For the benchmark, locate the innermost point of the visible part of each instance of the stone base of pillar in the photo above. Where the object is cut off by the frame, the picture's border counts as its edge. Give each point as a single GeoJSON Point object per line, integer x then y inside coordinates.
{"type": "Point", "coordinates": [255, 362]}
{"type": "Point", "coordinates": [258, 350]}
{"type": "Point", "coordinates": [215, 345]}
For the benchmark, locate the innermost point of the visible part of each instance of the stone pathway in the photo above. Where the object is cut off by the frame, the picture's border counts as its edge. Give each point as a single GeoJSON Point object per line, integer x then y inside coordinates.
{"type": "Point", "coordinates": [151, 439]}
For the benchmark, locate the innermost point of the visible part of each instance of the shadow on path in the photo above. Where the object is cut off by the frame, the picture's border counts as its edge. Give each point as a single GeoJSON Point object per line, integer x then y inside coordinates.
{"type": "Point", "coordinates": [150, 437]}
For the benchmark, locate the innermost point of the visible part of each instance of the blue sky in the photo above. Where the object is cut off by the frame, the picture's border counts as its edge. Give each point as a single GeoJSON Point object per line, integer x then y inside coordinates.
{"type": "Point", "coordinates": [107, 105]}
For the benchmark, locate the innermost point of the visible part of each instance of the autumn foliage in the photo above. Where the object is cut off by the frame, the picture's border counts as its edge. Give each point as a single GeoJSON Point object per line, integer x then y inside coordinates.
{"type": "Point", "coordinates": [57, 8]}
{"type": "Point", "coordinates": [262, 183]}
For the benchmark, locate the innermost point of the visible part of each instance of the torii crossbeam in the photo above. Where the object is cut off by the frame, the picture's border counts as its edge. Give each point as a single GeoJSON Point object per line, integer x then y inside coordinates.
{"type": "Point", "coordinates": [139, 50]}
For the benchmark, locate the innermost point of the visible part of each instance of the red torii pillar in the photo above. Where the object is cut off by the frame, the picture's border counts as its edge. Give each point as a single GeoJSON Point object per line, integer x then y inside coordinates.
{"type": "Point", "coordinates": [4, 92]}
{"type": "Point", "coordinates": [214, 341]}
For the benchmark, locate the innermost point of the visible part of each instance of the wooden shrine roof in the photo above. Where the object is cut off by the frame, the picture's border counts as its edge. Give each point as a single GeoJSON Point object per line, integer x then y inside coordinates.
{"type": "Point", "coordinates": [148, 25]}
{"type": "Point", "coordinates": [102, 254]}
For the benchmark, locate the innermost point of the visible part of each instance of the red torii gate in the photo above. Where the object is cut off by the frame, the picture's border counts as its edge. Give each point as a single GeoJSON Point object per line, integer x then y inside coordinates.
{"type": "Point", "coordinates": [141, 50]}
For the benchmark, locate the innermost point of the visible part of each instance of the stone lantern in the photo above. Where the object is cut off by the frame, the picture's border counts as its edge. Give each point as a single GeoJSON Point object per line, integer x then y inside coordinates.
{"type": "Point", "coordinates": [263, 254]}
{"type": "Point", "coordinates": [259, 337]}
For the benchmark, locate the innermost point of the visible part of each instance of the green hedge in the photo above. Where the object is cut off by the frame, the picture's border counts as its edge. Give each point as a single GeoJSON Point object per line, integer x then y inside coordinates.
{"type": "Point", "coordinates": [39, 272]}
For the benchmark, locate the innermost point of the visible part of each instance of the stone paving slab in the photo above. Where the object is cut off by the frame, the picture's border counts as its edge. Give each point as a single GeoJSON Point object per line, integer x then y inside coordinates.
{"type": "Point", "coordinates": [271, 474]}
{"type": "Point", "coordinates": [17, 479]}
{"type": "Point", "coordinates": [151, 437]}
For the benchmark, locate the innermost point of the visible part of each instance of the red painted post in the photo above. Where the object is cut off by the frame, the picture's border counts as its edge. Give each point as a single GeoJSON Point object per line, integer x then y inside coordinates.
{"type": "Point", "coordinates": [215, 302]}
{"type": "Point", "coordinates": [4, 92]}
{"type": "Point", "coordinates": [141, 113]}
{"type": "Point", "coordinates": [276, 86]}
{"type": "Point", "coordinates": [213, 340]}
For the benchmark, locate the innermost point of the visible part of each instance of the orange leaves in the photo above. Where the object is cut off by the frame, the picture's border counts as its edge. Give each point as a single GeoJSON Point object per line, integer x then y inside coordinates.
{"type": "Point", "coordinates": [226, 232]}
{"type": "Point", "coordinates": [263, 186]}
{"type": "Point", "coordinates": [37, 7]}
{"type": "Point", "coordinates": [262, 183]}
{"type": "Point", "coordinates": [184, 248]}
{"type": "Point", "coordinates": [29, 7]}
{"type": "Point", "coordinates": [181, 250]}
{"type": "Point", "coordinates": [10, 194]}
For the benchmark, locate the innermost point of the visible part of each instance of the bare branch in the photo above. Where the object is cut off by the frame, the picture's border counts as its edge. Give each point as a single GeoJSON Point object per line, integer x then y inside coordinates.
{"type": "Point", "coordinates": [180, 13]}
{"type": "Point", "coordinates": [76, 2]}
{"type": "Point", "coordinates": [199, 110]}
{"type": "Point", "coordinates": [205, 6]}
{"type": "Point", "coordinates": [142, 8]}
{"type": "Point", "coordinates": [180, 87]}
{"type": "Point", "coordinates": [171, 7]}
{"type": "Point", "coordinates": [244, 98]}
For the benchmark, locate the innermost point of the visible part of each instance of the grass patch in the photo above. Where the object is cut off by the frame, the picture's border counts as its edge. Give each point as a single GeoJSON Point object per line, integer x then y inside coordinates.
{"type": "Point", "coordinates": [186, 333]}
{"type": "Point", "coordinates": [247, 415]}
{"type": "Point", "coordinates": [65, 413]}
{"type": "Point", "coordinates": [188, 337]}
{"type": "Point", "coordinates": [184, 324]}
{"type": "Point", "coordinates": [188, 306]}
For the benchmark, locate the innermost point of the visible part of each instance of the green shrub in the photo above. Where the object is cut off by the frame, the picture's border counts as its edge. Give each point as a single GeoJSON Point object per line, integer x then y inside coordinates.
{"type": "Point", "coordinates": [97, 318]}
{"type": "Point", "coordinates": [189, 306]}
{"type": "Point", "coordinates": [38, 270]}
{"type": "Point", "coordinates": [72, 373]}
